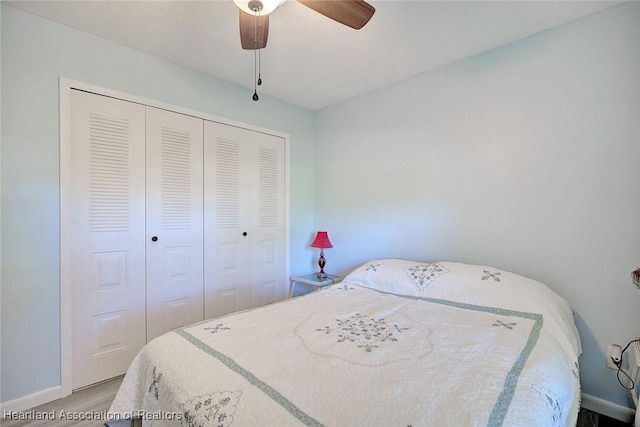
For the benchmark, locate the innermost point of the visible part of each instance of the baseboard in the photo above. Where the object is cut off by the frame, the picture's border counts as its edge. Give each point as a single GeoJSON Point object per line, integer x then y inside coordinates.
{"type": "Point", "coordinates": [32, 400]}
{"type": "Point", "coordinates": [610, 409]}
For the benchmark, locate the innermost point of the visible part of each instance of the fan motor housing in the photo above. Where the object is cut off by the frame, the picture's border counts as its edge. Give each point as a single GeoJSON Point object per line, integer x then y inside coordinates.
{"type": "Point", "coordinates": [255, 5]}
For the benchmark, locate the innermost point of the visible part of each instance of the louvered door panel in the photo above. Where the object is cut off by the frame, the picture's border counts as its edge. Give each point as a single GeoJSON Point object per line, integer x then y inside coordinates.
{"type": "Point", "coordinates": [109, 169]}
{"type": "Point", "coordinates": [227, 221]}
{"type": "Point", "coordinates": [245, 261]}
{"type": "Point", "coordinates": [268, 253]}
{"type": "Point", "coordinates": [107, 235]}
{"type": "Point", "coordinates": [174, 221]}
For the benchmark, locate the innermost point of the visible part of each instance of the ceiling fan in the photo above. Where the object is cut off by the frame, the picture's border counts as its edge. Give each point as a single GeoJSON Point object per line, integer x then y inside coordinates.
{"type": "Point", "coordinates": [254, 16]}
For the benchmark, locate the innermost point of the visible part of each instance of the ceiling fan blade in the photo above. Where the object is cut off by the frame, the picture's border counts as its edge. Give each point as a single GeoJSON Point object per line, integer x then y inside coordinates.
{"type": "Point", "coordinates": [249, 37]}
{"type": "Point", "coordinates": [352, 13]}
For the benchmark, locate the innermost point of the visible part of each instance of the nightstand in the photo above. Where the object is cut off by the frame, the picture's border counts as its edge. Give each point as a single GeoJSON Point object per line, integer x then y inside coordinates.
{"type": "Point", "coordinates": [312, 279]}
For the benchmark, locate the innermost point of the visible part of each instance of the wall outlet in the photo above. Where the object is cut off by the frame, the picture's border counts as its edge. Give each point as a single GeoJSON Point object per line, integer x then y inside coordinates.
{"type": "Point", "coordinates": [613, 352]}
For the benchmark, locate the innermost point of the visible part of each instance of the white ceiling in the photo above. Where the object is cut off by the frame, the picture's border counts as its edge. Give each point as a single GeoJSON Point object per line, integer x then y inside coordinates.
{"type": "Point", "coordinates": [312, 61]}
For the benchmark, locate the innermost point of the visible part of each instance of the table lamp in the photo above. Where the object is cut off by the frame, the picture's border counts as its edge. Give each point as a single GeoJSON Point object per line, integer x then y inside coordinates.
{"type": "Point", "coordinates": [321, 241]}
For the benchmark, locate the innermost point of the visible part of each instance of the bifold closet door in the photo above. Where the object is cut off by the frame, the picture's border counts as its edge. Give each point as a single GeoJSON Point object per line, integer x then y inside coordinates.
{"type": "Point", "coordinates": [244, 194]}
{"type": "Point", "coordinates": [107, 202]}
{"type": "Point", "coordinates": [268, 219]}
{"type": "Point", "coordinates": [174, 209]}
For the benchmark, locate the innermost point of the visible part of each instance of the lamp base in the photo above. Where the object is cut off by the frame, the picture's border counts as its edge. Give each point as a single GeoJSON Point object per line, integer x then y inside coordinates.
{"type": "Point", "coordinates": [321, 263]}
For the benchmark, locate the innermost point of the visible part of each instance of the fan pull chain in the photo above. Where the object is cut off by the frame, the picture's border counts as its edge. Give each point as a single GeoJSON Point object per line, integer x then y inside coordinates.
{"type": "Point", "coordinates": [256, 59]}
{"type": "Point", "coordinates": [255, 90]}
{"type": "Point", "coordinates": [259, 63]}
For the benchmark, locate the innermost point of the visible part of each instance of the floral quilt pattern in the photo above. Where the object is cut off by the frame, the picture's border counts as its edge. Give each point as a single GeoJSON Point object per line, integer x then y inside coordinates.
{"type": "Point", "coordinates": [423, 274]}
{"type": "Point", "coordinates": [211, 409]}
{"type": "Point", "coordinates": [366, 332]}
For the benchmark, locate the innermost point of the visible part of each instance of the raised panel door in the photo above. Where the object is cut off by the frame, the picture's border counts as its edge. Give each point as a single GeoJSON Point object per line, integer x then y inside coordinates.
{"type": "Point", "coordinates": [107, 236]}
{"type": "Point", "coordinates": [174, 173]}
{"type": "Point", "coordinates": [268, 263]}
{"type": "Point", "coordinates": [227, 220]}
{"type": "Point", "coordinates": [245, 263]}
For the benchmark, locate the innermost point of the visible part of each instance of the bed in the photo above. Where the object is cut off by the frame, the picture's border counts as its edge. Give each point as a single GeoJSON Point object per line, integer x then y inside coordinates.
{"type": "Point", "coordinates": [396, 343]}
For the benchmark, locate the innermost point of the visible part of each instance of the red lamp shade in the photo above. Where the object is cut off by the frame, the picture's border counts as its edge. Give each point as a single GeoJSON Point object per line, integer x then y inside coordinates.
{"type": "Point", "coordinates": [321, 241]}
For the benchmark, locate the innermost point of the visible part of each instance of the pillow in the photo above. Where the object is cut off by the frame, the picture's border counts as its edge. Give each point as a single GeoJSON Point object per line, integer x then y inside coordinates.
{"type": "Point", "coordinates": [396, 275]}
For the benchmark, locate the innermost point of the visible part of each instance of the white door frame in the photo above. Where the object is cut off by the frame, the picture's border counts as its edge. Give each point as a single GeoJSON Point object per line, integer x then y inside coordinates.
{"type": "Point", "coordinates": [65, 87]}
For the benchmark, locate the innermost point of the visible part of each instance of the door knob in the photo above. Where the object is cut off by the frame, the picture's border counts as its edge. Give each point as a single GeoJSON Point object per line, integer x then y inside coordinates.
{"type": "Point", "coordinates": [154, 239]}
{"type": "Point", "coordinates": [244, 234]}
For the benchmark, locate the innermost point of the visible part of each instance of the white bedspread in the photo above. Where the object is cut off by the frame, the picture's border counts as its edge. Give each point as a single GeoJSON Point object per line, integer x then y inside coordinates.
{"type": "Point", "coordinates": [397, 343]}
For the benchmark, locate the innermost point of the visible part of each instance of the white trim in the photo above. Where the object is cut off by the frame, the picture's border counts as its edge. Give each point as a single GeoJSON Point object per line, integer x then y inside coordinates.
{"type": "Point", "coordinates": [69, 84]}
{"type": "Point", "coordinates": [610, 409]}
{"type": "Point", "coordinates": [32, 400]}
{"type": "Point", "coordinates": [287, 225]}
{"type": "Point", "coordinates": [65, 87]}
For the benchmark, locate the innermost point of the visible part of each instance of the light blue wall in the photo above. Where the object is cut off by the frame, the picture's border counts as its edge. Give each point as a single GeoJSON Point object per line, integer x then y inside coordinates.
{"type": "Point", "coordinates": [524, 158]}
{"type": "Point", "coordinates": [35, 52]}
